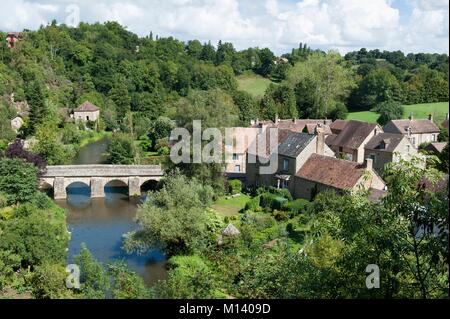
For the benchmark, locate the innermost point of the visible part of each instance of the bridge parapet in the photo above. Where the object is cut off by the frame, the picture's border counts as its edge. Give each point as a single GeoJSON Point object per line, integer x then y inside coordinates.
{"type": "Point", "coordinates": [103, 170]}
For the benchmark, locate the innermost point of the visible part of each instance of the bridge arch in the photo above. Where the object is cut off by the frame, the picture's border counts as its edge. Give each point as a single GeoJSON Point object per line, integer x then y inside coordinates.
{"type": "Point", "coordinates": [47, 188]}
{"type": "Point", "coordinates": [78, 187]}
{"type": "Point", "coordinates": [149, 185]}
{"type": "Point", "coordinates": [116, 185]}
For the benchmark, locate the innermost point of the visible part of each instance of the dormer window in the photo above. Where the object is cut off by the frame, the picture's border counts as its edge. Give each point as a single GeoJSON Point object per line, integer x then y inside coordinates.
{"type": "Point", "coordinates": [285, 164]}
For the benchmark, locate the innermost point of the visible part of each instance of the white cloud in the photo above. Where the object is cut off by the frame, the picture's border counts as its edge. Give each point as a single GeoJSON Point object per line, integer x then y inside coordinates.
{"type": "Point", "coordinates": [279, 24]}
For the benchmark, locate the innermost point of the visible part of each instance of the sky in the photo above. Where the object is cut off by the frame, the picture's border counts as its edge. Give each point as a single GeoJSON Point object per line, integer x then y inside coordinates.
{"type": "Point", "coordinates": [343, 25]}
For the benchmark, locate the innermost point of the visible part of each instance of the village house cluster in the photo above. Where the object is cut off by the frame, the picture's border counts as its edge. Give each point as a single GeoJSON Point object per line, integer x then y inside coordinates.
{"type": "Point", "coordinates": [319, 154]}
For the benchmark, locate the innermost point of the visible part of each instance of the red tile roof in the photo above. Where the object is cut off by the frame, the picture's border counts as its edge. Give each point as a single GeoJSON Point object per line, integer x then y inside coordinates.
{"type": "Point", "coordinates": [417, 126]}
{"type": "Point", "coordinates": [87, 107]}
{"type": "Point", "coordinates": [330, 171]}
{"type": "Point", "coordinates": [353, 134]}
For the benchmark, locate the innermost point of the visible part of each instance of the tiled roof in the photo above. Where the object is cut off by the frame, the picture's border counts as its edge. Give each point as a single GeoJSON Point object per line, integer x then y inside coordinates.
{"type": "Point", "coordinates": [87, 107]}
{"type": "Point", "coordinates": [417, 126]}
{"type": "Point", "coordinates": [387, 142]}
{"type": "Point", "coordinates": [353, 134]}
{"type": "Point", "coordinates": [296, 125]}
{"type": "Point", "coordinates": [311, 129]}
{"type": "Point", "coordinates": [436, 147]}
{"type": "Point", "coordinates": [331, 171]}
{"type": "Point", "coordinates": [338, 125]}
{"type": "Point", "coordinates": [294, 144]}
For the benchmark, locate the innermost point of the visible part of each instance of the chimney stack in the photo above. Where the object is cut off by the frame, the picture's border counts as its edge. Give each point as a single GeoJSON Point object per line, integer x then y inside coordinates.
{"type": "Point", "coordinates": [320, 144]}
{"type": "Point", "coordinates": [430, 117]}
{"type": "Point", "coordinates": [369, 164]}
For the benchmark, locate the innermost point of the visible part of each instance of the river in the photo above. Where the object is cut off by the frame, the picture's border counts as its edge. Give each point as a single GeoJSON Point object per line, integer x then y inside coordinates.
{"type": "Point", "coordinates": [101, 222]}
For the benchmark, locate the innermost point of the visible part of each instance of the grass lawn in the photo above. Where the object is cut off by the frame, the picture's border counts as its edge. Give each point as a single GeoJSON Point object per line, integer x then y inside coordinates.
{"type": "Point", "coordinates": [252, 83]}
{"type": "Point", "coordinates": [419, 111]}
{"type": "Point", "coordinates": [232, 206]}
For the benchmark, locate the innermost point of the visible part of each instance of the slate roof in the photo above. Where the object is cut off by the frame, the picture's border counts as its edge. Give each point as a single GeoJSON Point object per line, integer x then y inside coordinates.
{"type": "Point", "coordinates": [294, 144]}
{"type": "Point", "coordinates": [417, 126]}
{"type": "Point", "coordinates": [330, 171]}
{"type": "Point", "coordinates": [386, 142]}
{"type": "Point", "coordinates": [86, 107]}
{"type": "Point", "coordinates": [353, 134]}
{"type": "Point", "coordinates": [253, 148]}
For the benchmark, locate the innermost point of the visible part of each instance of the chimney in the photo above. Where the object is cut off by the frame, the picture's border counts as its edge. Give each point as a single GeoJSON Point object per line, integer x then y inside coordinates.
{"type": "Point", "coordinates": [411, 116]}
{"type": "Point", "coordinates": [369, 164]}
{"type": "Point", "coordinates": [320, 144]}
{"type": "Point", "coordinates": [430, 117]}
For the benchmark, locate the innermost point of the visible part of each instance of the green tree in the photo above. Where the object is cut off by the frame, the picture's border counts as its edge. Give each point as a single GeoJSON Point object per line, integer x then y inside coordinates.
{"type": "Point", "coordinates": [377, 87]}
{"type": "Point", "coordinates": [93, 277]}
{"type": "Point", "coordinates": [36, 98]}
{"type": "Point", "coordinates": [320, 83]}
{"type": "Point", "coordinates": [122, 150]}
{"type": "Point", "coordinates": [18, 180]}
{"type": "Point", "coordinates": [173, 218]}
{"type": "Point", "coordinates": [389, 110]}
{"type": "Point", "coordinates": [125, 283]}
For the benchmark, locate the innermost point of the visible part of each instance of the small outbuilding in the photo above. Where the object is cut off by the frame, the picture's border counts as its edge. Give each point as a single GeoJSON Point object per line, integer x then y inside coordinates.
{"type": "Point", "coordinates": [86, 112]}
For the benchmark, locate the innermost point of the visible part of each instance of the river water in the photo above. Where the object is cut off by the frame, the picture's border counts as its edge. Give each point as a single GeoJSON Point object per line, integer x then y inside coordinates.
{"type": "Point", "coordinates": [101, 222]}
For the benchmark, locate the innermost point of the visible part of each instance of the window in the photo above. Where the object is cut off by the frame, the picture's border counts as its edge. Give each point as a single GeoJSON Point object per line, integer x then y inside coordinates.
{"type": "Point", "coordinates": [433, 137]}
{"type": "Point", "coordinates": [408, 147]}
{"type": "Point", "coordinates": [284, 184]}
{"type": "Point", "coordinates": [349, 157]}
{"type": "Point", "coordinates": [87, 118]}
{"type": "Point", "coordinates": [237, 168]}
{"type": "Point", "coordinates": [285, 164]}
{"type": "Point", "coordinates": [413, 141]}
{"type": "Point", "coordinates": [235, 157]}
{"type": "Point", "coordinates": [372, 157]}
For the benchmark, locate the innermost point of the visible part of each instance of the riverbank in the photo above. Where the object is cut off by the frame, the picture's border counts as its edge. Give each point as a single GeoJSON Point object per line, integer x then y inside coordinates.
{"type": "Point", "coordinates": [92, 137]}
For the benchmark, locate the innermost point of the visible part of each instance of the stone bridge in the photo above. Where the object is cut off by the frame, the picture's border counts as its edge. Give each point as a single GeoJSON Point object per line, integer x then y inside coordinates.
{"type": "Point", "coordinates": [97, 176]}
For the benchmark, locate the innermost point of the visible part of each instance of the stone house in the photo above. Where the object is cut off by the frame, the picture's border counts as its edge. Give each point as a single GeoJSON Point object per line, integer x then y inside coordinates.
{"type": "Point", "coordinates": [255, 158]}
{"type": "Point", "coordinates": [293, 152]}
{"type": "Point", "coordinates": [321, 172]}
{"type": "Point", "coordinates": [236, 166]}
{"type": "Point", "coordinates": [384, 148]}
{"type": "Point", "coordinates": [86, 112]}
{"type": "Point", "coordinates": [351, 138]}
{"type": "Point", "coordinates": [417, 131]}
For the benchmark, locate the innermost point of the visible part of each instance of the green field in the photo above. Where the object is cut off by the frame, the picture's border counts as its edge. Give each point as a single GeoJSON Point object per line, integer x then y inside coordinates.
{"type": "Point", "coordinates": [419, 111]}
{"type": "Point", "coordinates": [252, 83]}
{"type": "Point", "coordinates": [232, 206]}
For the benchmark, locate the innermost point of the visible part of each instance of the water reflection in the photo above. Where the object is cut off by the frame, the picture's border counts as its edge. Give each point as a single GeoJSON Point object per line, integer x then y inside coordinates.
{"type": "Point", "coordinates": [100, 223]}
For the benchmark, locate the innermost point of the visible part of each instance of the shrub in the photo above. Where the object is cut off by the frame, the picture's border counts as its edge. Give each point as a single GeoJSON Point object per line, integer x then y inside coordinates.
{"type": "Point", "coordinates": [280, 215]}
{"type": "Point", "coordinates": [253, 204]}
{"type": "Point", "coordinates": [283, 192]}
{"type": "Point", "coordinates": [297, 206]}
{"type": "Point", "coordinates": [235, 186]}
{"type": "Point", "coordinates": [278, 202]}
{"type": "Point", "coordinates": [290, 228]}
